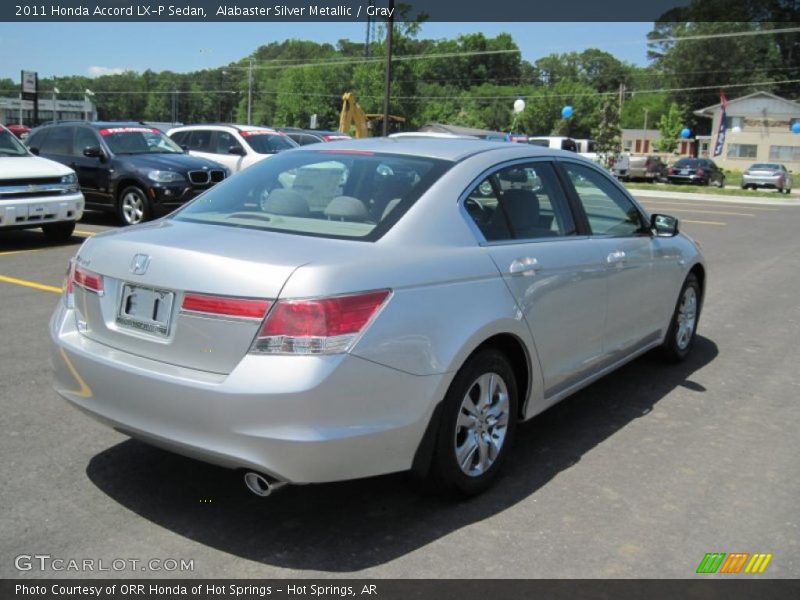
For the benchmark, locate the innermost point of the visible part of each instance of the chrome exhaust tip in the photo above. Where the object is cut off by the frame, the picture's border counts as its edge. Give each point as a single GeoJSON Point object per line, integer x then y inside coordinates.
{"type": "Point", "coordinates": [261, 485]}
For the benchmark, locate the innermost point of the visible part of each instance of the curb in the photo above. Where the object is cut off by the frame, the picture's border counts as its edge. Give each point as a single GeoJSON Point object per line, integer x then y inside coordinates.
{"type": "Point", "coordinates": [791, 201]}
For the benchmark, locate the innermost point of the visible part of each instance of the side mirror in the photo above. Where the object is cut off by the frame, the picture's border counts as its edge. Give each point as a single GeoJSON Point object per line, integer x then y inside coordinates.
{"type": "Point", "coordinates": [34, 150]}
{"type": "Point", "coordinates": [94, 152]}
{"type": "Point", "coordinates": [238, 150]}
{"type": "Point", "coordinates": [664, 225]}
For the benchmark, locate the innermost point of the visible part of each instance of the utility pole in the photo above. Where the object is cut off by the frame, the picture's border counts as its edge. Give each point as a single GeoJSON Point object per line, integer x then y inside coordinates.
{"type": "Point", "coordinates": [646, 110]}
{"type": "Point", "coordinates": [388, 81]}
{"type": "Point", "coordinates": [55, 92]}
{"type": "Point", "coordinates": [250, 92]}
{"type": "Point", "coordinates": [174, 105]}
{"type": "Point", "coordinates": [621, 97]}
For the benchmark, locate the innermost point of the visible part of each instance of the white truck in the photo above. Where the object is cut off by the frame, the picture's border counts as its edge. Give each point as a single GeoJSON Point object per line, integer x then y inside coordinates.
{"type": "Point", "coordinates": [36, 192]}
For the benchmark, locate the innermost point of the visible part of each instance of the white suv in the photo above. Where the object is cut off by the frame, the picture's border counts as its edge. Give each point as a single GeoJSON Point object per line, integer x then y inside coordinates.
{"type": "Point", "coordinates": [36, 192]}
{"type": "Point", "coordinates": [233, 146]}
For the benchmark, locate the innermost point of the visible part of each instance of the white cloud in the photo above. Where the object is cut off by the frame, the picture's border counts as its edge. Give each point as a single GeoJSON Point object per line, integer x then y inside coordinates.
{"type": "Point", "coordinates": [95, 71]}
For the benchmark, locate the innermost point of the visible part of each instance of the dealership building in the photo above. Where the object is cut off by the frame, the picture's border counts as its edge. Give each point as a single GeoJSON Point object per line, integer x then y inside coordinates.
{"type": "Point", "coordinates": [14, 110]}
{"type": "Point", "coordinates": [758, 129]}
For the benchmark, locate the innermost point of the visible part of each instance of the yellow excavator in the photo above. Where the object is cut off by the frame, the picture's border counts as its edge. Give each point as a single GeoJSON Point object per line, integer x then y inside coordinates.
{"type": "Point", "coordinates": [353, 115]}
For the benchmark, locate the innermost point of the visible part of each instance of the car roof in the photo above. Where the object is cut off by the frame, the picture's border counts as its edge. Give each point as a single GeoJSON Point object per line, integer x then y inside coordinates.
{"type": "Point", "coordinates": [223, 127]}
{"type": "Point", "coordinates": [441, 148]}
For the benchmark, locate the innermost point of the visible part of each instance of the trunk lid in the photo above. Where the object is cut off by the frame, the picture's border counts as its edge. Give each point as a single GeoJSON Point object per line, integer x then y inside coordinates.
{"type": "Point", "coordinates": [180, 257]}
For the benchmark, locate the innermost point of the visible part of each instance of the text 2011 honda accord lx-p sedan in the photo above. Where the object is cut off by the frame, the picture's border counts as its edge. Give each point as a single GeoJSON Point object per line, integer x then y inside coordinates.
{"type": "Point", "coordinates": [370, 307]}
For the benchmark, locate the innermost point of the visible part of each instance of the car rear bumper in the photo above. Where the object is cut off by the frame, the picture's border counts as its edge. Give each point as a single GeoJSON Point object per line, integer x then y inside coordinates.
{"type": "Point", "coordinates": [765, 181]}
{"type": "Point", "coordinates": [301, 419]}
{"type": "Point", "coordinates": [16, 213]}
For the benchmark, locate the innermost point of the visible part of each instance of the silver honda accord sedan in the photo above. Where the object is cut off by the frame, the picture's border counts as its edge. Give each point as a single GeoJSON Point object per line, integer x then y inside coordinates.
{"type": "Point", "coordinates": [372, 306]}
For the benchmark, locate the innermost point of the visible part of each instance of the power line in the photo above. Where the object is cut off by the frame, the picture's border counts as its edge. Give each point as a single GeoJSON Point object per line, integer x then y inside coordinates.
{"type": "Point", "coordinates": [729, 34]}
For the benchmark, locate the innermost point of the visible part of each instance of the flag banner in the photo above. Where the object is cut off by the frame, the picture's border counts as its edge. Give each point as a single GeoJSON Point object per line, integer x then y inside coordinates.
{"type": "Point", "coordinates": [723, 127]}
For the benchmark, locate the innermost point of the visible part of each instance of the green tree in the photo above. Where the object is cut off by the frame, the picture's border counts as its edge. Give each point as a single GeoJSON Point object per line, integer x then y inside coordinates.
{"type": "Point", "coordinates": [607, 134]}
{"type": "Point", "coordinates": [670, 126]}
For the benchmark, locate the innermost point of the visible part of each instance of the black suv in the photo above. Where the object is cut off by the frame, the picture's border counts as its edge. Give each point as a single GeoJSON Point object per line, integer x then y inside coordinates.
{"type": "Point", "coordinates": [130, 168]}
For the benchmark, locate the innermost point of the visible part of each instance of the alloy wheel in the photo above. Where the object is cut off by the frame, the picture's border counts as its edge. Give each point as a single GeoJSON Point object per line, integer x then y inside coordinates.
{"type": "Point", "coordinates": [482, 424]}
{"type": "Point", "coordinates": [687, 318]}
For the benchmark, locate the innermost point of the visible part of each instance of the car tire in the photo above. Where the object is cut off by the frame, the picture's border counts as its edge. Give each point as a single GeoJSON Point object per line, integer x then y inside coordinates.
{"type": "Point", "coordinates": [59, 232]}
{"type": "Point", "coordinates": [477, 426]}
{"type": "Point", "coordinates": [683, 326]}
{"type": "Point", "coordinates": [133, 206]}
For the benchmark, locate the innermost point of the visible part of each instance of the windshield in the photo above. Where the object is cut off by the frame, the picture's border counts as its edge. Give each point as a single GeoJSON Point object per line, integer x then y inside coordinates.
{"type": "Point", "coordinates": [139, 140]}
{"type": "Point", "coordinates": [328, 193]}
{"type": "Point", "coordinates": [266, 142]}
{"type": "Point", "coordinates": [10, 145]}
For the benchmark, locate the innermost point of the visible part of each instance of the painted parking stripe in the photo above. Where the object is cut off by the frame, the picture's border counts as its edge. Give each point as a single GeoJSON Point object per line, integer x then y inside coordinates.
{"type": "Point", "coordinates": [10, 252]}
{"type": "Point", "coordinates": [30, 284]}
{"type": "Point", "coordinates": [712, 212]}
{"type": "Point", "coordinates": [703, 222]}
{"type": "Point", "coordinates": [86, 233]}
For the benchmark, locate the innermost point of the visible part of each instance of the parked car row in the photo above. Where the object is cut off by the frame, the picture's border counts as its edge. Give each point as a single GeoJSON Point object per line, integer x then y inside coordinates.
{"type": "Point", "coordinates": [700, 171]}
{"type": "Point", "coordinates": [131, 169]}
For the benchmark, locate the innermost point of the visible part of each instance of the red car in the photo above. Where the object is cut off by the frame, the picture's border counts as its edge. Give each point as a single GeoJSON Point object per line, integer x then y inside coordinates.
{"type": "Point", "coordinates": [21, 131]}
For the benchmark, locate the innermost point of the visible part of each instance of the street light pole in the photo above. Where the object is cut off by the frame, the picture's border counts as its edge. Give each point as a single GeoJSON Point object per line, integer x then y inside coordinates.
{"type": "Point", "coordinates": [86, 103]}
{"type": "Point", "coordinates": [388, 81]}
{"type": "Point", "coordinates": [56, 91]}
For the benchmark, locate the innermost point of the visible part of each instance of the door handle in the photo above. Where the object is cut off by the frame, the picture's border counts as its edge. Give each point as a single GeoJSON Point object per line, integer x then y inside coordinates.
{"type": "Point", "coordinates": [526, 265]}
{"type": "Point", "coordinates": [616, 257]}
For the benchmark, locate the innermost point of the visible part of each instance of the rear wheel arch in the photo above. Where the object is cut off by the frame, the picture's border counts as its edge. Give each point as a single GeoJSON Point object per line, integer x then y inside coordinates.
{"type": "Point", "coordinates": [699, 271]}
{"type": "Point", "coordinates": [513, 348]}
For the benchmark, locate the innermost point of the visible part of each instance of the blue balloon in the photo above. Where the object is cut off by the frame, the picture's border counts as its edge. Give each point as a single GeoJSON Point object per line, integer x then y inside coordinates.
{"type": "Point", "coordinates": [796, 127]}
{"type": "Point", "coordinates": [566, 112]}
{"type": "Point", "coordinates": [686, 132]}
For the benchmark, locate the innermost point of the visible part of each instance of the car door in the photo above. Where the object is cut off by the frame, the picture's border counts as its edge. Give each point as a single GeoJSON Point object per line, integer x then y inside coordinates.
{"type": "Point", "coordinates": [92, 171]}
{"type": "Point", "coordinates": [621, 232]}
{"type": "Point", "coordinates": [555, 274]}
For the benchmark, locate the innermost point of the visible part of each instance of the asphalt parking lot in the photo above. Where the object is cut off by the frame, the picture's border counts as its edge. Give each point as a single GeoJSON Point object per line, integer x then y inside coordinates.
{"type": "Point", "coordinates": [638, 475]}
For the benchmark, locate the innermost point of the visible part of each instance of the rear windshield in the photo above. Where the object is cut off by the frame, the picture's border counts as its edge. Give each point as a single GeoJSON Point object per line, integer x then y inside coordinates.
{"type": "Point", "coordinates": [768, 166]}
{"type": "Point", "coordinates": [688, 162]}
{"type": "Point", "coordinates": [325, 193]}
{"type": "Point", "coordinates": [268, 143]}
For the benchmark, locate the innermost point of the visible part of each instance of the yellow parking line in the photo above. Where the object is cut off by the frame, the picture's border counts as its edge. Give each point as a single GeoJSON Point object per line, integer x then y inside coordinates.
{"type": "Point", "coordinates": [703, 222]}
{"type": "Point", "coordinates": [10, 252]}
{"type": "Point", "coordinates": [705, 203]}
{"type": "Point", "coordinates": [87, 233]}
{"type": "Point", "coordinates": [31, 284]}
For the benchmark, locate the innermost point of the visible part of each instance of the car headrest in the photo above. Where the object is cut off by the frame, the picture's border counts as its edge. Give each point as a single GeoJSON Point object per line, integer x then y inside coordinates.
{"type": "Point", "coordinates": [522, 207]}
{"type": "Point", "coordinates": [346, 208]}
{"type": "Point", "coordinates": [286, 202]}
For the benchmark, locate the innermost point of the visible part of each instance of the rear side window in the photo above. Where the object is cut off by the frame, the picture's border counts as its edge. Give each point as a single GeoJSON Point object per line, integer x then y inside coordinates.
{"type": "Point", "coordinates": [351, 195]}
{"type": "Point", "coordinates": [35, 140]}
{"type": "Point", "coordinates": [59, 141]}
{"type": "Point", "coordinates": [520, 202]}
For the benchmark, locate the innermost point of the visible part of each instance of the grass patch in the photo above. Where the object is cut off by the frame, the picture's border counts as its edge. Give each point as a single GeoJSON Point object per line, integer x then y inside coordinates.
{"type": "Point", "coordinates": [696, 189]}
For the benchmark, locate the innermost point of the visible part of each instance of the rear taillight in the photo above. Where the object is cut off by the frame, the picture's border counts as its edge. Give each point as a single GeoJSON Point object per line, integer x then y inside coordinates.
{"type": "Point", "coordinates": [87, 279]}
{"type": "Point", "coordinates": [319, 325]}
{"type": "Point", "coordinates": [246, 308]}
{"type": "Point", "coordinates": [673, 171]}
{"type": "Point", "coordinates": [699, 172]}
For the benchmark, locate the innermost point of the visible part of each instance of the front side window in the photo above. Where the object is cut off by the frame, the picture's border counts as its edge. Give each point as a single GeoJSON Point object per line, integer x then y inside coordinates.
{"type": "Point", "coordinates": [607, 209]}
{"type": "Point", "coordinates": [84, 138]}
{"type": "Point", "coordinates": [225, 142]}
{"type": "Point", "coordinates": [138, 140]}
{"type": "Point", "coordinates": [335, 194]}
{"type": "Point", "coordinates": [520, 202]}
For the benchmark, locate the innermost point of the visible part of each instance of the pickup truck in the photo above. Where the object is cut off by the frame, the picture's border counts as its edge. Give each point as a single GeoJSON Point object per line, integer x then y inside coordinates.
{"type": "Point", "coordinates": [36, 192]}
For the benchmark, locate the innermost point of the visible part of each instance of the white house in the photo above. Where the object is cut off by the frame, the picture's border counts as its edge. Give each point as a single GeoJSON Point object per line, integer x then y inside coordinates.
{"type": "Point", "coordinates": [759, 129]}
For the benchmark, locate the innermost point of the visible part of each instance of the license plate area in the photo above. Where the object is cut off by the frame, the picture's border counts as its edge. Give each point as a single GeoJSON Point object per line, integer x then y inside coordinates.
{"type": "Point", "coordinates": [145, 309]}
{"type": "Point", "coordinates": [684, 171]}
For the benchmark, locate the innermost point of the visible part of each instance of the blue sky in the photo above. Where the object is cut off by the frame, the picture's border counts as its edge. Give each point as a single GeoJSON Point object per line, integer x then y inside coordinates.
{"type": "Point", "coordinates": [95, 48]}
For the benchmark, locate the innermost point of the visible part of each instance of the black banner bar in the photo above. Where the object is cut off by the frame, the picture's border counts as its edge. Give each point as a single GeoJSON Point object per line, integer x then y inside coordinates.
{"type": "Point", "coordinates": [346, 10]}
{"type": "Point", "coordinates": [701, 588]}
